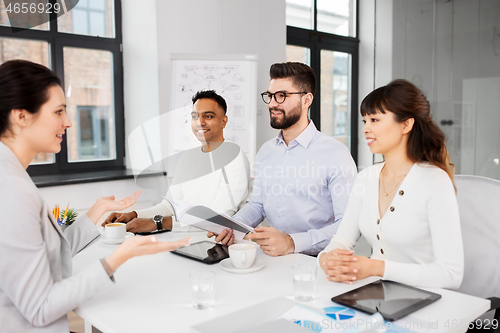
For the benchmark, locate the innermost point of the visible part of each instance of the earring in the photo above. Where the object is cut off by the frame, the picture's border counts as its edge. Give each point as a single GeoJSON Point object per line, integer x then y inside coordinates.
{"type": "Point", "coordinates": [24, 124]}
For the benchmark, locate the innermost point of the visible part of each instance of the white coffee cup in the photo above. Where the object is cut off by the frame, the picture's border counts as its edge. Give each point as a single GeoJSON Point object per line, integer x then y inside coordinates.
{"type": "Point", "coordinates": [242, 255]}
{"type": "Point", "coordinates": [115, 231]}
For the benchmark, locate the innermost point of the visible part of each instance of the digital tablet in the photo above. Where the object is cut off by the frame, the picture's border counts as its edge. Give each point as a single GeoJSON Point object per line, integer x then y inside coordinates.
{"type": "Point", "coordinates": [391, 299]}
{"type": "Point", "coordinates": [204, 251]}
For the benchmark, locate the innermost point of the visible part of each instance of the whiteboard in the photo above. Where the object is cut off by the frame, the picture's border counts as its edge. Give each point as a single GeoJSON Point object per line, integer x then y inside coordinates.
{"type": "Point", "coordinates": [234, 77]}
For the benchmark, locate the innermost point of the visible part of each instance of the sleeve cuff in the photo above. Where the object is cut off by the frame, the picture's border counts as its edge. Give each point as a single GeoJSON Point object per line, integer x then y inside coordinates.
{"type": "Point", "coordinates": [98, 274]}
{"type": "Point", "coordinates": [302, 241]}
{"type": "Point", "coordinates": [163, 208]}
{"type": "Point", "coordinates": [107, 268]}
{"type": "Point", "coordinates": [319, 255]}
{"type": "Point", "coordinates": [84, 217]}
{"type": "Point", "coordinates": [391, 272]}
{"type": "Point", "coordinates": [84, 223]}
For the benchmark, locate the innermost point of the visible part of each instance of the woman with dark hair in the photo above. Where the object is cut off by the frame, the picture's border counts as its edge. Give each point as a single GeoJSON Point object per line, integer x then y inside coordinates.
{"type": "Point", "coordinates": [37, 288]}
{"type": "Point", "coordinates": [405, 207]}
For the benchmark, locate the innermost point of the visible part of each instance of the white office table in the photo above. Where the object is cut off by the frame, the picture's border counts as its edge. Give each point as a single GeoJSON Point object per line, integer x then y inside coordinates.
{"type": "Point", "coordinates": [153, 294]}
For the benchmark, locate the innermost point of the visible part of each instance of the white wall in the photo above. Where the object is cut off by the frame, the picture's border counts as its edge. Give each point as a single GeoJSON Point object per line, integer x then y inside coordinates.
{"type": "Point", "coordinates": [366, 71]}
{"type": "Point", "coordinates": [383, 43]}
{"type": "Point", "coordinates": [157, 28]}
{"type": "Point", "coordinates": [140, 64]}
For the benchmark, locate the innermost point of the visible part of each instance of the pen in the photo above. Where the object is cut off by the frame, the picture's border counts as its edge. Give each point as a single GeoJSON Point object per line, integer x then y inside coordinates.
{"type": "Point", "coordinates": [65, 213]}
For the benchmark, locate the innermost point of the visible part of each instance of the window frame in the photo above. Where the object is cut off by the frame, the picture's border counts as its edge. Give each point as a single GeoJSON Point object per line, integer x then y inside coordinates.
{"type": "Point", "coordinates": [316, 41]}
{"type": "Point", "coordinates": [57, 41]}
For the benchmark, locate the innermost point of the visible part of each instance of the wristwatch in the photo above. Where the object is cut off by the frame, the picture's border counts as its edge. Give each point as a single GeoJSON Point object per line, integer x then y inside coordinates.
{"type": "Point", "coordinates": [158, 219]}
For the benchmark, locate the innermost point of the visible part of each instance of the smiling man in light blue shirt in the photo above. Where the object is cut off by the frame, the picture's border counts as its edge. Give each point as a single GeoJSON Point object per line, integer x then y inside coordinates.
{"type": "Point", "coordinates": [302, 178]}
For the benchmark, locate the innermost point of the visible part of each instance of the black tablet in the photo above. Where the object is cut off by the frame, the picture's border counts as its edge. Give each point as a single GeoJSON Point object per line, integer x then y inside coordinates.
{"type": "Point", "coordinates": [391, 299]}
{"type": "Point", "coordinates": [204, 251]}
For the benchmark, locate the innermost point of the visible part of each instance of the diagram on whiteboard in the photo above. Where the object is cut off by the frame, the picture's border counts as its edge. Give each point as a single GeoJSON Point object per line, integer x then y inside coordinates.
{"type": "Point", "coordinates": [232, 80]}
{"type": "Point", "coordinates": [212, 73]}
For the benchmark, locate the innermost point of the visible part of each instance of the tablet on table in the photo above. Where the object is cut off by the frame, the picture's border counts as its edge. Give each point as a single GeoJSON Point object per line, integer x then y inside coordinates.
{"type": "Point", "coordinates": [204, 251]}
{"type": "Point", "coordinates": [391, 299]}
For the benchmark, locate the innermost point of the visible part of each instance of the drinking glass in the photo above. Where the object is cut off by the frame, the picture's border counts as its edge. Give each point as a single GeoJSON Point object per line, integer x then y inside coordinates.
{"type": "Point", "coordinates": [304, 282]}
{"type": "Point", "coordinates": [202, 289]}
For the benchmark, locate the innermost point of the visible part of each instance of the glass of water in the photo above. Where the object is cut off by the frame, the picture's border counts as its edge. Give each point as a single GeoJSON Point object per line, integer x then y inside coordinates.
{"type": "Point", "coordinates": [304, 282]}
{"type": "Point", "coordinates": [203, 289]}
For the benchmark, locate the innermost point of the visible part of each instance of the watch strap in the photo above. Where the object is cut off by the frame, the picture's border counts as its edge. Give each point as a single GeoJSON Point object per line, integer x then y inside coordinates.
{"type": "Point", "coordinates": [158, 220]}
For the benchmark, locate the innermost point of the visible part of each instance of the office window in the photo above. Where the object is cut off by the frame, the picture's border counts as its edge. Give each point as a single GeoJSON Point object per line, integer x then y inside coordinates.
{"type": "Point", "coordinates": [93, 134]}
{"type": "Point", "coordinates": [330, 46]}
{"type": "Point", "coordinates": [83, 47]}
{"type": "Point", "coordinates": [91, 18]}
{"type": "Point", "coordinates": [18, 19]}
{"type": "Point", "coordinates": [335, 78]}
{"type": "Point", "coordinates": [298, 54]}
{"type": "Point", "coordinates": [333, 17]}
{"type": "Point", "coordinates": [300, 13]}
{"type": "Point", "coordinates": [337, 17]}
{"type": "Point", "coordinates": [88, 82]}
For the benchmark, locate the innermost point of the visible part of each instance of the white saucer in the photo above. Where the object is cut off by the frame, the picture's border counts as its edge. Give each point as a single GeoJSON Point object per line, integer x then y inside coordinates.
{"type": "Point", "coordinates": [227, 265]}
{"type": "Point", "coordinates": [116, 241]}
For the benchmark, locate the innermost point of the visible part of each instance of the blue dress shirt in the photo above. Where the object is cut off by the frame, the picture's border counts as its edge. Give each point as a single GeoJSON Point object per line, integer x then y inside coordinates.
{"type": "Point", "coordinates": [302, 188]}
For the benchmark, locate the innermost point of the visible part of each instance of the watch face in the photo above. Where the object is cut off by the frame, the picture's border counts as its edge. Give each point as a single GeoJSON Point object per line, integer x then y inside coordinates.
{"type": "Point", "coordinates": [157, 218]}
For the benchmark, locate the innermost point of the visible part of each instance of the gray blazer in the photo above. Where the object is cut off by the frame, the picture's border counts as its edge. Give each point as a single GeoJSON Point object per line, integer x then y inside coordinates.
{"type": "Point", "coordinates": [36, 285]}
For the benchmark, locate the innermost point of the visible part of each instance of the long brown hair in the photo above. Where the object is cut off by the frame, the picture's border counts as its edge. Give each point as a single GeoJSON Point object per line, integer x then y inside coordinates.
{"type": "Point", "coordinates": [426, 141]}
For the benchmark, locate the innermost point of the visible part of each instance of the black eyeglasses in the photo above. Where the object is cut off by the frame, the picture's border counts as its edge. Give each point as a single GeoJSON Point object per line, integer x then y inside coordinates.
{"type": "Point", "coordinates": [279, 96]}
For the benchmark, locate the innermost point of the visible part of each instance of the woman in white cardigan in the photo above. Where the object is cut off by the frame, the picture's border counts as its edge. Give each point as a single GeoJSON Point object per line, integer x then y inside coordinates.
{"type": "Point", "coordinates": [405, 207]}
{"type": "Point", "coordinates": [37, 288]}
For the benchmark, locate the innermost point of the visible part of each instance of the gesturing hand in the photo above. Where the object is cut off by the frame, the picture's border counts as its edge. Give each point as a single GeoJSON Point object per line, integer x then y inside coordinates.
{"type": "Point", "coordinates": [272, 241]}
{"type": "Point", "coordinates": [105, 204]}
{"type": "Point", "coordinates": [109, 203]}
{"type": "Point", "coordinates": [141, 245]}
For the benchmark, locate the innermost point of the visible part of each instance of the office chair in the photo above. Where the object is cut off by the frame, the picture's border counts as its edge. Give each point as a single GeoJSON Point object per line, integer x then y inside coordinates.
{"type": "Point", "coordinates": [479, 205]}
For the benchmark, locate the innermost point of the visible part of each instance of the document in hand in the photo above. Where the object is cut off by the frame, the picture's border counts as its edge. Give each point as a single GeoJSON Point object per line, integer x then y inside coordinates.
{"type": "Point", "coordinates": [207, 219]}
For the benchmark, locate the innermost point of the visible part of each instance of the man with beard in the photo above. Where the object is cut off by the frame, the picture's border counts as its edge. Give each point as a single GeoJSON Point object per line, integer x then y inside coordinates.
{"type": "Point", "coordinates": [302, 177]}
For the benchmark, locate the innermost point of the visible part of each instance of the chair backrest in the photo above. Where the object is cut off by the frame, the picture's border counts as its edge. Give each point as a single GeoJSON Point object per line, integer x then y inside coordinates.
{"type": "Point", "coordinates": [479, 205]}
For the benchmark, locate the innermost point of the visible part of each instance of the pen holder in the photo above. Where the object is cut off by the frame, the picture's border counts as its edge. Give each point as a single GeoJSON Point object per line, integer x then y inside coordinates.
{"type": "Point", "coordinates": [70, 217]}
